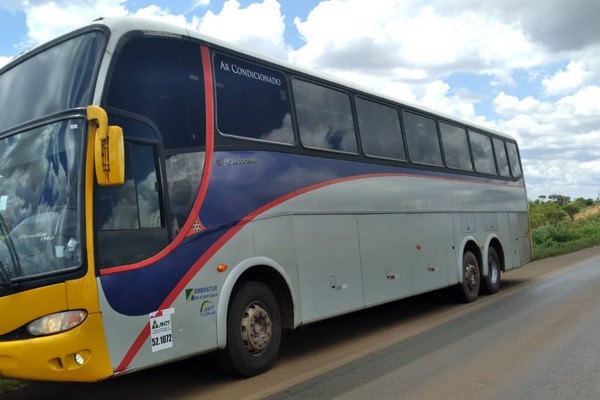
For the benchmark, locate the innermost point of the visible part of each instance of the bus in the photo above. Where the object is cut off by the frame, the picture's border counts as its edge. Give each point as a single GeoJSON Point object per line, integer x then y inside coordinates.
{"type": "Point", "coordinates": [165, 195]}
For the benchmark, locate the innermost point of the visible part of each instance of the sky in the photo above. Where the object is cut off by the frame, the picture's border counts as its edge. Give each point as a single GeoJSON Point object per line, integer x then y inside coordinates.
{"type": "Point", "coordinates": [528, 68]}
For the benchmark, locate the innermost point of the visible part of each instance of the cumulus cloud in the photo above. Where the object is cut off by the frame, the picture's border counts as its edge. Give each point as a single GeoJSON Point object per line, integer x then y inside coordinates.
{"type": "Point", "coordinates": [564, 81]}
{"type": "Point", "coordinates": [557, 25]}
{"type": "Point", "coordinates": [4, 61]}
{"type": "Point", "coordinates": [259, 26]}
{"type": "Point", "coordinates": [48, 19]}
{"type": "Point", "coordinates": [582, 69]}
{"type": "Point", "coordinates": [557, 140]}
{"type": "Point", "coordinates": [413, 36]}
{"type": "Point", "coordinates": [537, 62]}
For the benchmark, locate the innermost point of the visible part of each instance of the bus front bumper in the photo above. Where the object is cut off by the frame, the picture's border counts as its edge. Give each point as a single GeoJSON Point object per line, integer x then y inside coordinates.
{"type": "Point", "coordinates": [77, 355]}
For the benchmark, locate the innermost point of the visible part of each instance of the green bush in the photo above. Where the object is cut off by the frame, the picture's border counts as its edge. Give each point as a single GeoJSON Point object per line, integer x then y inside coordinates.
{"type": "Point", "coordinates": [564, 237]}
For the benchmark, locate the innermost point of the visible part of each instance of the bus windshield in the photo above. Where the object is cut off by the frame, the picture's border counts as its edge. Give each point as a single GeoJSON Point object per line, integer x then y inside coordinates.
{"type": "Point", "coordinates": [56, 79]}
{"type": "Point", "coordinates": [40, 181]}
{"type": "Point", "coordinates": [41, 162]}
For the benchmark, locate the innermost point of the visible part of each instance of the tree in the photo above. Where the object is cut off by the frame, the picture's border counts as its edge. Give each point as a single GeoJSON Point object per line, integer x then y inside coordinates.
{"type": "Point", "coordinates": [545, 213]}
{"type": "Point", "coordinates": [571, 210]}
{"type": "Point", "coordinates": [559, 199]}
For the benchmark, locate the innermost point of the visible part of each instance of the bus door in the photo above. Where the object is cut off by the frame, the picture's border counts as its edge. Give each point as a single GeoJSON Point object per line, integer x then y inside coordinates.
{"type": "Point", "coordinates": [131, 224]}
{"type": "Point", "coordinates": [156, 94]}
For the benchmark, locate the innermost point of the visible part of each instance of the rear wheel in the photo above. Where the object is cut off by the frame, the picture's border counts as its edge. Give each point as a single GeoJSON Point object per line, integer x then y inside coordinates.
{"type": "Point", "coordinates": [468, 289]}
{"type": "Point", "coordinates": [491, 283]}
{"type": "Point", "coordinates": [253, 331]}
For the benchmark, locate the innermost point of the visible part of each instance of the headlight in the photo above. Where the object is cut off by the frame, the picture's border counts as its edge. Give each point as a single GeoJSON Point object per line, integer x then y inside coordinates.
{"type": "Point", "coordinates": [55, 323]}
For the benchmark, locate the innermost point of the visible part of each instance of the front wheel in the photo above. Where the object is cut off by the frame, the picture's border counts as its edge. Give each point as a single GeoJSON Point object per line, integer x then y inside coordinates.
{"type": "Point", "coordinates": [468, 289]}
{"type": "Point", "coordinates": [253, 331]}
{"type": "Point", "coordinates": [491, 283]}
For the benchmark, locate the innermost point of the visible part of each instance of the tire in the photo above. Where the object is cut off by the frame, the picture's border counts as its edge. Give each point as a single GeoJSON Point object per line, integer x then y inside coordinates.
{"type": "Point", "coordinates": [253, 331]}
{"type": "Point", "coordinates": [468, 289]}
{"type": "Point", "coordinates": [491, 283]}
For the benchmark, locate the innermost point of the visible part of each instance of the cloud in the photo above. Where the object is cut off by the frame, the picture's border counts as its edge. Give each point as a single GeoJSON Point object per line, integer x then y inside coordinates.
{"type": "Point", "coordinates": [200, 3]}
{"type": "Point", "coordinates": [582, 69]}
{"type": "Point", "coordinates": [537, 62]}
{"type": "Point", "coordinates": [4, 61]}
{"type": "Point", "coordinates": [557, 140]}
{"type": "Point", "coordinates": [414, 35]}
{"type": "Point", "coordinates": [48, 19]}
{"type": "Point", "coordinates": [259, 26]}
{"type": "Point", "coordinates": [558, 26]}
{"type": "Point", "coordinates": [566, 80]}
{"type": "Point", "coordinates": [157, 13]}
{"type": "Point", "coordinates": [562, 25]}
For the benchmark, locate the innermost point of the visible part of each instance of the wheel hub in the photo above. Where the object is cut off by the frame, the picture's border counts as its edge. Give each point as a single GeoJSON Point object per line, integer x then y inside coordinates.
{"type": "Point", "coordinates": [471, 274]}
{"type": "Point", "coordinates": [256, 328]}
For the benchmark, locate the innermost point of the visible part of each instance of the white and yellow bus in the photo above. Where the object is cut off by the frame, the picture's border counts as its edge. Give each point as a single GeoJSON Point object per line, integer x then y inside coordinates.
{"type": "Point", "coordinates": [164, 195]}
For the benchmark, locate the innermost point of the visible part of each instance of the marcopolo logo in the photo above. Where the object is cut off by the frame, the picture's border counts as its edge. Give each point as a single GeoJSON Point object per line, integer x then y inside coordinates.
{"type": "Point", "coordinates": [226, 162]}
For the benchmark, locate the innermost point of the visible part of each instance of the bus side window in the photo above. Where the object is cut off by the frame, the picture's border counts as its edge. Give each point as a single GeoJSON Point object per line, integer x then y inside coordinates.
{"type": "Point", "coordinates": [252, 101]}
{"type": "Point", "coordinates": [456, 147]}
{"type": "Point", "coordinates": [161, 79]}
{"type": "Point", "coordinates": [129, 221]}
{"type": "Point", "coordinates": [501, 158]}
{"type": "Point", "coordinates": [324, 118]}
{"type": "Point", "coordinates": [513, 157]}
{"type": "Point", "coordinates": [380, 131]}
{"type": "Point", "coordinates": [184, 172]}
{"type": "Point", "coordinates": [423, 140]}
{"type": "Point", "coordinates": [116, 206]}
{"type": "Point", "coordinates": [483, 154]}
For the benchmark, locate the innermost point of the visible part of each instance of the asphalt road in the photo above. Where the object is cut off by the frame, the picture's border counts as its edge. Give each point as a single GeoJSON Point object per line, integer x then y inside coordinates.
{"type": "Point", "coordinates": [538, 338]}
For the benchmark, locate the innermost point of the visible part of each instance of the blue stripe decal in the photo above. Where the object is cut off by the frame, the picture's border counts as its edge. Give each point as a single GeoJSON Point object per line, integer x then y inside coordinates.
{"type": "Point", "coordinates": [241, 183]}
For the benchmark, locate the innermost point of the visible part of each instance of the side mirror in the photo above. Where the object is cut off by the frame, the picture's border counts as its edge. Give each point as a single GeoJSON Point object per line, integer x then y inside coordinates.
{"type": "Point", "coordinates": [109, 153]}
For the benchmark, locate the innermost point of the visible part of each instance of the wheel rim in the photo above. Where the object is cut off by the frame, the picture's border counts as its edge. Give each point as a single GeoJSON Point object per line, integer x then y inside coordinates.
{"type": "Point", "coordinates": [493, 271]}
{"type": "Point", "coordinates": [256, 328]}
{"type": "Point", "coordinates": [471, 277]}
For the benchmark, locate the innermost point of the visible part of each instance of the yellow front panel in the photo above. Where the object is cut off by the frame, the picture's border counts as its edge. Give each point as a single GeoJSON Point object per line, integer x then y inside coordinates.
{"type": "Point", "coordinates": [53, 357]}
{"type": "Point", "coordinates": [21, 308]}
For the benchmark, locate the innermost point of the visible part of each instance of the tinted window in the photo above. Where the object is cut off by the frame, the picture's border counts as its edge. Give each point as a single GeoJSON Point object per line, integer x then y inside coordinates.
{"type": "Point", "coordinates": [380, 131]}
{"type": "Point", "coordinates": [129, 219]}
{"type": "Point", "coordinates": [422, 138]}
{"type": "Point", "coordinates": [456, 147]}
{"type": "Point", "coordinates": [184, 172]}
{"type": "Point", "coordinates": [57, 79]}
{"type": "Point", "coordinates": [483, 154]}
{"type": "Point", "coordinates": [501, 159]}
{"type": "Point", "coordinates": [324, 117]}
{"type": "Point", "coordinates": [513, 157]}
{"type": "Point", "coordinates": [252, 101]}
{"type": "Point", "coordinates": [161, 79]}
{"type": "Point", "coordinates": [135, 204]}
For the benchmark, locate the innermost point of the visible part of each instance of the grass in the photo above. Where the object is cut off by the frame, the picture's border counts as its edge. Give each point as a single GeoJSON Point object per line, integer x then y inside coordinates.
{"type": "Point", "coordinates": [6, 385]}
{"type": "Point", "coordinates": [565, 237]}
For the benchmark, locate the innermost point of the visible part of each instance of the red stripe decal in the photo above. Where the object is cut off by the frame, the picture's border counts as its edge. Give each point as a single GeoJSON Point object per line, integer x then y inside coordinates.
{"type": "Point", "coordinates": [189, 275]}
{"type": "Point", "coordinates": [210, 134]}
